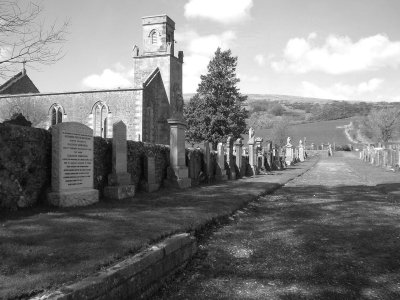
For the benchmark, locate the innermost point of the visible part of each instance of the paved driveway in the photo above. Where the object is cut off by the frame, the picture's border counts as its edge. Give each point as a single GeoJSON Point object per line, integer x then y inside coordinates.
{"type": "Point", "coordinates": [330, 234]}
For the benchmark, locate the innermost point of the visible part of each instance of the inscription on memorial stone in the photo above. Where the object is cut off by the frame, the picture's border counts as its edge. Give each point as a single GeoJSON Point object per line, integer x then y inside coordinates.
{"type": "Point", "coordinates": [76, 160]}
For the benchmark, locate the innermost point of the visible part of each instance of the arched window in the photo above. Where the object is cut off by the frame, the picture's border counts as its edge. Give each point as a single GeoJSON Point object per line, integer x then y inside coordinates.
{"type": "Point", "coordinates": [56, 114]}
{"type": "Point", "coordinates": [154, 37]}
{"type": "Point", "coordinates": [101, 113]}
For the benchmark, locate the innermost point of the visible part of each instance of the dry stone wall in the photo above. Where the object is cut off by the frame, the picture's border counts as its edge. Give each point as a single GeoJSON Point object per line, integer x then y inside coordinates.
{"type": "Point", "coordinates": [25, 165]}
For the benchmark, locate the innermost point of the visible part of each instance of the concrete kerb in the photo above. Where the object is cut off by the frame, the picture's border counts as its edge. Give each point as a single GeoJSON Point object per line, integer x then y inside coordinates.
{"type": "Point", "coordinates": [133, 276]}
{"type": "Point", "coordinates": [142, 274]}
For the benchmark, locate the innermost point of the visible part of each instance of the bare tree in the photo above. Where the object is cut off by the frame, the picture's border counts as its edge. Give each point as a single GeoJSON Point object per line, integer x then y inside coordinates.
{"type": "Point", "coordinates": [25, 38]}
{"type": "Point", "coordinates": [280, 131]}
{"type": "Point", "coordinates": [35, 111]}
{"type": "Point", "coordinates": [381, 124]}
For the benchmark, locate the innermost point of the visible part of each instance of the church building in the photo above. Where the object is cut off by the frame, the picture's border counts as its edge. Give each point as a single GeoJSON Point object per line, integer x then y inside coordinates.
{"type": "Point", "coordinates": [155, 96]}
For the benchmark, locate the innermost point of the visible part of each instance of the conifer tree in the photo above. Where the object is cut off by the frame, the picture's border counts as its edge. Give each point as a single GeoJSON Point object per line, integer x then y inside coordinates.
{"type": "Point", "coordinates": [216, 110]}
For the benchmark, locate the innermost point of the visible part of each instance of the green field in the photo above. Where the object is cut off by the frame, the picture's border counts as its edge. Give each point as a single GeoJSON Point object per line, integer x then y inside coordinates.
{"type": "Point", "coordinates": [317, 133]}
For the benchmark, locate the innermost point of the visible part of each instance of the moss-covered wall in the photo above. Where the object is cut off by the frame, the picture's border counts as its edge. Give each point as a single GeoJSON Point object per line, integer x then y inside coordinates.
{"type": "Point", "coordinates": [25, 165]}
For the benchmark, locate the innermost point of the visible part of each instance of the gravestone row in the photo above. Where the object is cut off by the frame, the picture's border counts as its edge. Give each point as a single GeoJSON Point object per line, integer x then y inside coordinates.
{"type": "Point", "coordinates": [72, 162]}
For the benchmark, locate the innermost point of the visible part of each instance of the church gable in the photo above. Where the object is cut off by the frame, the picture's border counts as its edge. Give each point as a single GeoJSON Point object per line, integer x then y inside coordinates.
{"type": "Point", "coordinates": [19, 84]}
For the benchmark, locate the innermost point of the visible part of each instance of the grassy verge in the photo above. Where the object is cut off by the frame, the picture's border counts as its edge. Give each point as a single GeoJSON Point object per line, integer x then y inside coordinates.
{"type": "Point", "coordinates": [44, 248]}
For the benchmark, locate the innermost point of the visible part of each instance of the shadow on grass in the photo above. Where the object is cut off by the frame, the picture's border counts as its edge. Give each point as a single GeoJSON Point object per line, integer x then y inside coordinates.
{"type": "Point", "coordinates": [45, 247]}
{"type": "Point", "coordinates": [311, 242]}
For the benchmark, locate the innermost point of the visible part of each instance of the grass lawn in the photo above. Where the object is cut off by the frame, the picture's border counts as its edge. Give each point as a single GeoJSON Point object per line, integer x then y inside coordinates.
{"type": "Point", "coordinates": [43, 248]}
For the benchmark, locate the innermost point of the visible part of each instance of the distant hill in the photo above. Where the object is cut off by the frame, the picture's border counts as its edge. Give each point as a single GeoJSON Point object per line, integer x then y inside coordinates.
{"type": "Point", "coordinates": [270, 97]}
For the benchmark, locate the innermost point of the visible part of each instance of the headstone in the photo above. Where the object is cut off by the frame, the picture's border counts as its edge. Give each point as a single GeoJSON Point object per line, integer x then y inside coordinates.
{"type": "Point", "coordinates": [229, 158]}
{"type": "Point", "coordinates": [239, 157]}
{"type": "Point", "coordinates": [178, 171]}
{"type": "Point", "coordinates": [152, 184]}
{"type": "Point", "coordinates": [301, 154]}
{"type": "Point", "coordinates": [207, 160]}
{"type": "Point", "coordinates": [289, 154]}
{"type": "Point", "coordinates": [221, 172]}
{"type": "Point", "coordinates": [194, 167]}
{"type": "Point", "coordinates": [119, 181]}
{"type": "Point", "coordinates": [269, 154]}
{"type": "Point", "coordinates": [252, 155]}
{"type": "Point", "coordinates": [72, 166]}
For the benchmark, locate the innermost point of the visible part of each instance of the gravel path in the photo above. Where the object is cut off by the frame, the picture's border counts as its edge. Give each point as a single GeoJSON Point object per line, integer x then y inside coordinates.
{"type": "Point", "coordinates": [330, 234]}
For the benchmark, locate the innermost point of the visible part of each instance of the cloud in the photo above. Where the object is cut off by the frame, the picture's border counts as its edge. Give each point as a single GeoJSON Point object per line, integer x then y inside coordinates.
{"type": "Point", "coordinates": [198, 52]}
{"type": "Point", "coordinates": [260, 59]}
{"type": "Point", "coordinates": [222, 11]}
{"type": "Point", "coordinates": [109, 79]}
{"type": "Point", "coordinates": [208, 44]}
{"type": "Point", "coordinates": [338, 55]}
{"type": "Point", "coordinates": [341, 91]}
{"type": "Point", "coordinates": [248, 78]}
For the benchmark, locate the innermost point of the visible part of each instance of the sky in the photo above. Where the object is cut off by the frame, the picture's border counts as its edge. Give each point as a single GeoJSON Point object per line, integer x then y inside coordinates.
{"type": "Point", "coordinates": [334, 49]}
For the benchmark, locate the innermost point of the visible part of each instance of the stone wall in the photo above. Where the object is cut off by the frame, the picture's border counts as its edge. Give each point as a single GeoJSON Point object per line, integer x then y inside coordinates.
{"type": "Point", "coordinates": [25, 165]}
{"type": "Point", "coordinates": [124, 104]}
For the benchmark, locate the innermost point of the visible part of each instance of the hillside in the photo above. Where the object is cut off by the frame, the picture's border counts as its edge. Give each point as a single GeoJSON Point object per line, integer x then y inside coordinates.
{"type": "Point", "coordinates": [271, 97]}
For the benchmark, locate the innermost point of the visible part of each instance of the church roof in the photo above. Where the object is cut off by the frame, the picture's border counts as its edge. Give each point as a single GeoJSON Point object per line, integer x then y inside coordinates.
{"type": "Point", "coordinates": [19, 84]}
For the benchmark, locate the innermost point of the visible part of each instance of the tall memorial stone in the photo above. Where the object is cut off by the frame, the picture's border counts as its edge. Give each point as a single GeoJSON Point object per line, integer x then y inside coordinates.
{"type": "Point", "coordinates": [252, 152]}
{"type": "Point", "coordinates": [119, 181]}
{"type": "Point", "coordinates": [289, 154]}
{"type": "Point", "coordinates": [178, 174]}
{"type": "Point", "coordinates": [301, 151]}
{"type": "Point", "coordinates": [150, 173]}
{"type": "Point", "coordinates": [72, 166]}
{"type": "Point", "coordinates": [239, 157]}
{"type": "Point", "coordinates": [260, 154]}
{"type": "Point", "coordinates": [207, 160]}
{"type": "Point", "coordinates": [221, 171]}
{"type": "Point", "coordinates": [229, 157]}
{"type": "Point", "coordinates": [269, 154]}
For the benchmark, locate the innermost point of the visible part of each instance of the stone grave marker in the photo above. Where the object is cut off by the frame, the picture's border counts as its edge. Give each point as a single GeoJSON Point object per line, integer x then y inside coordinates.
{"type": "Point", "coordinates": [229, 157]}
{"type": "Point", "coordinates": [119, 181]}
{"type": "Point", "coordinates": [178, 173]}
{"type": "Point", "coordinates": [239, 157]}
{"type": "Point", "coordinates": [152, 184]}
{"type": "Point", "coordinates": [207, 160]}
{"type": "Point", "coordinates": [221, 172]}
{"type": "Point", "coordinates": [72, 166]}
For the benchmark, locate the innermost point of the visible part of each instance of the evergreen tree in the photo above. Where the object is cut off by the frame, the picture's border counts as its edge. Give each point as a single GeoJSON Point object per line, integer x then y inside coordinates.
{"type": "Point", "coordinates": [216, 109]}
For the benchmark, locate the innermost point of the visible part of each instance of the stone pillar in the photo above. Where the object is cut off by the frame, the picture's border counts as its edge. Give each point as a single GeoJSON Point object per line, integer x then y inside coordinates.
{"type": "Point", "coordinates": [229, 157]}
{"type": "Point", "coordinates": [221, 172]}
{"type": "Point", "coordinates": [178, 171]}
{"type": "Point", "coordinates": [239, 157]}
{"type": "Point", "coordinates": [119, 181]}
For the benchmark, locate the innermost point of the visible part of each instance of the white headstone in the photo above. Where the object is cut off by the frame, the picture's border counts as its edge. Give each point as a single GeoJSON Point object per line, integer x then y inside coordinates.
{"type": "Point", "coordinates": [72, 166]}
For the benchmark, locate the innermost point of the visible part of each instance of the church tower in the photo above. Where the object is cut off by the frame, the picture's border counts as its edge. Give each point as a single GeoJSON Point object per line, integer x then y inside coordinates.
{"type": "Point", "coordinates": [158, 52]}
